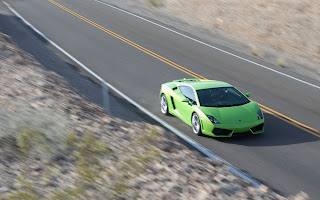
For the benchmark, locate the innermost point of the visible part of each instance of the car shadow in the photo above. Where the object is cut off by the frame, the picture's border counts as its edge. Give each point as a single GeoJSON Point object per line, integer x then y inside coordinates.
{"type": "Point", "coordinates": [277, 132]}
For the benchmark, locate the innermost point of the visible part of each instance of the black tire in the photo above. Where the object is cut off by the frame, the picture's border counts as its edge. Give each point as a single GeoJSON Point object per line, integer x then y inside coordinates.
{"type": "Point", "coordinates": [196, 125]}
{"type": "Point", "coordinates": [164, 105]}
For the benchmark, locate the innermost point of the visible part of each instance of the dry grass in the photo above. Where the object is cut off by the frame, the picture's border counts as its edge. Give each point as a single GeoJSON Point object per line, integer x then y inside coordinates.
{"type": "Point", "coordinates": [155, 3]}
{"type": "Point", "coordinates": [87, 150]}
{"type": "Point", "coordinates": [256, 52]}
{"type": "Point", "coordinates": [281, 62]}
{"type": "Point", "coordinates": [18, 60]}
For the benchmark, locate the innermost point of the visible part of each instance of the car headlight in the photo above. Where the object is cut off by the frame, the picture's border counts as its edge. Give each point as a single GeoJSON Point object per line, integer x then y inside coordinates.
{"type": "Point", "coordinates": [213, 120]}
{"type": "Point", "coordinates": [259, 113]}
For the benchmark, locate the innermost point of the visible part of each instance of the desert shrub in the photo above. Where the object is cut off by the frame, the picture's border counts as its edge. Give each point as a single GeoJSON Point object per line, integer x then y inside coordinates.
{"type": "Point", "coordinates": [87, 150]}
{"type": "Point", "coordinates": [256, 52]}
{"type": "Point", "coordinates": [30, 137]}
{"type": "Point", "coordinates": [73, 193]}
{"type": "Point", "coordinates": [18, 60]}
{"type": "Point", "coordinates": [281, 62]}
{"type": "Point", "coordinates": [156, 3]}
{"type": "Point", "coordinates": [27, 192]}
{"type": "Point", "coordinates": [120, 189]}
{"type": "Point", "coordinates": [150, 136]}
{"type": "Point", "coordinates": [20, 125]}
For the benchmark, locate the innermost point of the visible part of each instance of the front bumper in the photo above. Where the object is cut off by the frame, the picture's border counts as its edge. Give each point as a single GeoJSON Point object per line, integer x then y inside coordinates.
{"type": "Point", "coordinates": [227, 130]}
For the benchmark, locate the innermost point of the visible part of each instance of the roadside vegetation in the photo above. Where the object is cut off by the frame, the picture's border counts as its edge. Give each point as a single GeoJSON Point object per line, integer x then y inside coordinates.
{"type": "Point", "coordinates": [155, 3]}
{"type": "Point", "coordinates": [87, 154]}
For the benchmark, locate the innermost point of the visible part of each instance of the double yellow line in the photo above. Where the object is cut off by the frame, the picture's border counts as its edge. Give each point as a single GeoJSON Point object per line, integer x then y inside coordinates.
{"type": "Point", "coordinates": [147, 51]}
{"type": "Point", "coordinates": [183, 69]}
{"type": "Point", "coordinates": [290, 120]}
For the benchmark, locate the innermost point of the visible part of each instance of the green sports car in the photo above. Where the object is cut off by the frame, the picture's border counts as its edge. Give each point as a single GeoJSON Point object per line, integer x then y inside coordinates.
{"type": "Point", "coordinates": [213, 108]}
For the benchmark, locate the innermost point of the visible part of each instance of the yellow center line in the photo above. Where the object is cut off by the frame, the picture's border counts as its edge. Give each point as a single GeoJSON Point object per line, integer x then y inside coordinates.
{"type": "Point", "coordinates": [290, 122]}
{"type": "Point", "coordinates": [147, 51]}
{"type": "Point", "coordinates": [183, 69]}
{"type": "Point", "coordinates": [286, 117]}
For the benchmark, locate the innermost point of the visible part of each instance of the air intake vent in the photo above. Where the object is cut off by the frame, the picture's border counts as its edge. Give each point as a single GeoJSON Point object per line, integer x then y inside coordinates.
{"type": "Point", "coordinates": [257, 128]}
{"type": "Point", "coordinates": [219, 131]}
{"type": "Point", "coordinates": [174, 106]}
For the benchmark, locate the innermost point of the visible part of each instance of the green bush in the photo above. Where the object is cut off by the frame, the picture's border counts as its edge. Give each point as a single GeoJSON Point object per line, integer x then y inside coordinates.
{"type": "Point", "coordinates": [27, 192]}
{"type": "Point", "coordinates": [29, 137]}
{"type": "Point", "coordinates": [155, 3]}
{"type": "Point", "coordinates": [150, 136]}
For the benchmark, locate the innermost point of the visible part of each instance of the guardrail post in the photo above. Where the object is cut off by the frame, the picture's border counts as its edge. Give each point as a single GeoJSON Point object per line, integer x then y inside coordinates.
{"type": "Point", "coordinates": [106, 97]}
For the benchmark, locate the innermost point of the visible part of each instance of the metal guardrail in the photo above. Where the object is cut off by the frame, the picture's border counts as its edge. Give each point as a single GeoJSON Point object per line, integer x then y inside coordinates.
{"type": "Point", "coordinates": [106, 97]}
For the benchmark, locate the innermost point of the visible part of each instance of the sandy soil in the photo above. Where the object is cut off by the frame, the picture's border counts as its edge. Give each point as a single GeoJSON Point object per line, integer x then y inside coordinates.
{"type": "Point", "coordinates": [291, 26]}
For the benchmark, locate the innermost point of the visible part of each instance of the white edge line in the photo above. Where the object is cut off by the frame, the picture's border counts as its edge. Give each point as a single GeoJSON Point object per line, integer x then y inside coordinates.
{"type": "Point", "coordinates": [216, 48]}
{"type": "Point", "coordinates": [196, 145]}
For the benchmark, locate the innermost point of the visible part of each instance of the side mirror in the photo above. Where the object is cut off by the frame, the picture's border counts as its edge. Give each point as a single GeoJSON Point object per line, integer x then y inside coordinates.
{"type": "Point", "coordinates": [248, 94]}
{"type": "Point", "coordinates": [185, 100]}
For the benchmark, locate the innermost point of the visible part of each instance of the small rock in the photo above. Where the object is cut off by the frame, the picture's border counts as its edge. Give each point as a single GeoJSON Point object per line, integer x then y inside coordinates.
{"type": "Point", "coordinates": [152, 186]}
{"type": "Point", "coordinates": [106, 119]}
{"type": "Point", "coordinates": [169, 147]}
{"type": "Point", "coordinates": [215, 163]}
{"type": "Point", "coordinates": [138, 185]}
{"type": "Point", "coordinates": [34, 173]}
{"type": "Point", "coordinates": [45, 182]}
{"type": "Point", "coordinates": [300, 196]}
{"type": "Point", "coordinates": [40, 98]}
{"type": "Point", "coordinates": [53, 178]}
{"type": "Point", "coordinates": [229, 189]}
{"type": "Point", "coordinates": [242, 194]}
{"type": "Point", "coordinates": [268, 197]}
{"type": "Point", "coordinates": [188, 170]}
{"type": "Point", "coordinates": [34, 105]}
{"type": "Point", "coordinates": [186, 151]}
{"type": "Point", "coordinates": [243, 183]}
{"type": "Point", "coordinates": [224, 180]}
{"type": "Point", "coordinates": [91, 186]}
{"type": "Point", "coordinates": [202, 194]}
{"type": "Point", "coordinates": [158, 167]}
{"type": "Point", "coordinates": [176, 190]}
{"type": "Point", "coordinates": [36, 167]}
{"type": "Point", "coordinates": [264, 188]}
{"type": "Point", "coordinates": [3, 190]}
{"type": "Point", "coordinates": [64, 170]}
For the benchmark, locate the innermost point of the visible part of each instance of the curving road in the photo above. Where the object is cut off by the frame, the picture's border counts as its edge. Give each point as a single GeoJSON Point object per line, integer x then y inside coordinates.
{"type": "Point", "coordinates": [136, 57]}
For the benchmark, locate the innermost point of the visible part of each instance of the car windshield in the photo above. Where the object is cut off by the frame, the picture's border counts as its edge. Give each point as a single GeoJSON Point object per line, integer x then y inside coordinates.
{"type": "Point", "coordinates": [221, 97]}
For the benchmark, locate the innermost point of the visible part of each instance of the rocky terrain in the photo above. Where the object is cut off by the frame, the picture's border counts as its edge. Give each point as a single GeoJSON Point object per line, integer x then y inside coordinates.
{"type": "Point", "coordinates": [56, 145]}
{"type": "Point", "coordinates": [282, 32]}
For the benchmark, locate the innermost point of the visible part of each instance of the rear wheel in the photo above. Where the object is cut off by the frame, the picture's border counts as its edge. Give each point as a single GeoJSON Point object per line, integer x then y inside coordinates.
{"type": "Point", "coordinates": [196, 126]}
{"type": "Point", "coordinates": [164, 105]}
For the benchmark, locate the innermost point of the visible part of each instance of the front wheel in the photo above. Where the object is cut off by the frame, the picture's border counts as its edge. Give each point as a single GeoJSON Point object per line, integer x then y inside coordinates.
{"type": "Point", "coordinates": [164, 105]}
{"type": "Point", "coordinates": [196, 126]}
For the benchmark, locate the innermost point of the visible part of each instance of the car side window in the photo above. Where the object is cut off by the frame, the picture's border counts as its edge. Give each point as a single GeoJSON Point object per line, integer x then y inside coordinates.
{"type": "Point", "coordinates": [188, 93]}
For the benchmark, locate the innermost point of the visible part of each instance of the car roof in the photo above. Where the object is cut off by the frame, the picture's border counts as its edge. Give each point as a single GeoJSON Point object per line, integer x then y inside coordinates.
{"type": "Point", "coordinates": [199, 84]}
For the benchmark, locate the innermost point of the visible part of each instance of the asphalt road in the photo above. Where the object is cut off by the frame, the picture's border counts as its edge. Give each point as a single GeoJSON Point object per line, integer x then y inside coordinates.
{"type": "Point", "coordinates": [285, 157]}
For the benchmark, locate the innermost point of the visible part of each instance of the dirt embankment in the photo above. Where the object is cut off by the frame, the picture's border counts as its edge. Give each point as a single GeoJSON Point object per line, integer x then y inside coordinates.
{"type": "Point", "coordinates": [290, 26]}
{"type": "Point", "coordinates": [56, 145]}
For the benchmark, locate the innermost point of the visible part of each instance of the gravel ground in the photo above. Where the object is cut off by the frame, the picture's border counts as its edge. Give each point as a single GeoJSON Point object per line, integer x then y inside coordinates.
{"type": "Point", "coordinates": [56, 145]}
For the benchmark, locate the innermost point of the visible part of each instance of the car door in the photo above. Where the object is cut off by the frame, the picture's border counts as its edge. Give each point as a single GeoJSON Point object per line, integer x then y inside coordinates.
{"type": "Point", "coordinates": [185, 108]}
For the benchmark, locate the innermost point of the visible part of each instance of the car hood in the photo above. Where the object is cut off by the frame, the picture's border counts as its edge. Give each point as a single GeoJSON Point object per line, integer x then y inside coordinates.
{"type": "Point", "coordinates": [233, 115]}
